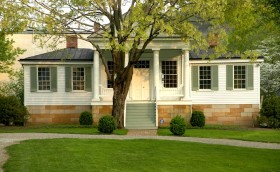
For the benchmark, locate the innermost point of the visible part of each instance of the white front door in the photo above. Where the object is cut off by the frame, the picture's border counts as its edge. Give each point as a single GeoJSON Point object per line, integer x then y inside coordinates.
{"type": "Point", "coordinates": [140, 85]}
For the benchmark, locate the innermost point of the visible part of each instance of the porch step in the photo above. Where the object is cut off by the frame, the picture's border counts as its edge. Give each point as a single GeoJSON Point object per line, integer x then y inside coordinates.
{"type": "Point", "coordinates": [141, 116]}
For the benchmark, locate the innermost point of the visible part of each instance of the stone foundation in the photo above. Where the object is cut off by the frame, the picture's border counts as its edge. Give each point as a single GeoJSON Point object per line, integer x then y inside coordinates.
{"type": "Point", "coordinates": [100, 110]}
{"type": "Point", "coordinates": [229, 114]}
{"type": "Point", "coordinates": [167, 112]}
{"type": "Point", "coordinates": [56, 114]}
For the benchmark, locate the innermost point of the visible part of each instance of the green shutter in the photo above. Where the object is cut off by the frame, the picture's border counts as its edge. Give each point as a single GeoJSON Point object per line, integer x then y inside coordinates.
{"type": "Point", "coordinates": [68, 79]}
{"type": "Point", "coordinates": [249, 77]}
{"type": "Point", "coordinates": [33, 79]}
{"type": "Point", "coordinates": [214, 78]}
{"type": "Point", "coordinates": [229, 75]}
{"type": "Point", "coordinates": [195, 78]}
{"type": "Point", "coordinates": [53, 79]}
{"type": "Point", "coordinates": [88, 79]}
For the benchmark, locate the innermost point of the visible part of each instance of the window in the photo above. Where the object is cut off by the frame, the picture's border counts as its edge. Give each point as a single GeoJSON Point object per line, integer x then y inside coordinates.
{"type": "Point", "coordinates": [44, 79]}
{"type": "Point", "coordinates": [78, 78]}
{"type": "Point", "coordinates": [239, 77]}
{"type": "Point", "coordinates": [205, 77]}
{"type": "Point", "coordinates": [169, 72]}
{"type": "Point", "coordinates": [142, 64]}
{"type": "Point", "coordinates": [110, 67]}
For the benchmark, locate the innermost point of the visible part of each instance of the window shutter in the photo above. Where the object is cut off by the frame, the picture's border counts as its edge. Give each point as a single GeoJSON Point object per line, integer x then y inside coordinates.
{"type": "Point", "coordinates": [194, 78]}
{"type": "Point", "coordinates": [249, 77]}
{"type": "Point", "coordinates": [229, 75]}
{"type": "Point", "coordinates": [68, 79]}
{"type": "Point", "coordinates": [214, 78]}
{"type": "Point", "coordinates": [88, 79]}
{"type": "Point", "coordinates": [33, 79]}
{"type": "Point", "coordinates": [53, 79]}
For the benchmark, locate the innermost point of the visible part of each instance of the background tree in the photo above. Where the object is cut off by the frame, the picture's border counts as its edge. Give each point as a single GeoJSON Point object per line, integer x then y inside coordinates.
{"type": "Point", "coordinates": [129, 26]}
{"type": "Point", "coordinates": [9, 23]}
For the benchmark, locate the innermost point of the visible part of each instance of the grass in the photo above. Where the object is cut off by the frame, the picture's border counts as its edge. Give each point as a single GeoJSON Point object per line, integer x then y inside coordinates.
{"type": "Point", "coordinates": [62, 129]}
{"type": "Point", "coordinates": [229, 132]}
{"type": "Point", "coordinates": [135, 155]}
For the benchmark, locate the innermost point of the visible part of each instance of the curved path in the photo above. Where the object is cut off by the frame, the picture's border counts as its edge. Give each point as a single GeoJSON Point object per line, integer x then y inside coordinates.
{"type": "Point", "coordinates": [7, 139]}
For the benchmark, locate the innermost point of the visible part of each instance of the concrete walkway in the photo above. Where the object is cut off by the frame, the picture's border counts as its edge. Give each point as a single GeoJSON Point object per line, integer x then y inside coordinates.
{"type": "Point", "coordinates": [7, 139]}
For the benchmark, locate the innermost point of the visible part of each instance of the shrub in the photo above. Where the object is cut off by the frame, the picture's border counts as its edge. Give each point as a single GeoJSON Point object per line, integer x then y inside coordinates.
{"type": "Point", "coordinates": [262, 121]}
{"type": "Point", "coordinates": [107, 124]}
{"type": "Point", "coordinates": [271, 110]}
{"type": "Point", "coordinates": [271, 107]}
{"type": "Point", "coordinates": [12, 111]}
{"type": "Point", "coordinates": [86, 118]}
{"type": "Point", "coordinates": [197, 119]}
{"type": "Point", "coordinates": [273, 123]}
{"type": "Point", "coordinates": [178, 125]}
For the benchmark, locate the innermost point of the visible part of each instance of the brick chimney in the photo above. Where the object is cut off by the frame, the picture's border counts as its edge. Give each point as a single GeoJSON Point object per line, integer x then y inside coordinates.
{"type": "Point", "coordinates": [214, 41]}
{"type": "Point", "coordinates": [71, 41]}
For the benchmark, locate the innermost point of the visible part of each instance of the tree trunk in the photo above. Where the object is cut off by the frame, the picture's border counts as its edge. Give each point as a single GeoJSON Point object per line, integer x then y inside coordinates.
{"type": "Point", "coordinates": [121, 89]}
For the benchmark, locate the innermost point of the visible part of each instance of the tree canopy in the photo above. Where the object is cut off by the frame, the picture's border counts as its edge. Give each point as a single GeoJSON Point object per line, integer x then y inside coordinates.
{"type": "Point", "coordinates": [128, 26]}
{"type": "Point", "coordinates": [9, 23]}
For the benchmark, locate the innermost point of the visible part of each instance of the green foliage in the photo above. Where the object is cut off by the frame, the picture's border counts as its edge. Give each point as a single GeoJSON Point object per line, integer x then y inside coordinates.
{"type": "Point", "coordinates": [107, 124]}
{"type": "Point", "coordinates": [14, 87]}
{"type": "Point", "coordinates": [8, 53]}
{"type": "Point", "coordinates": [197, 119]}
{"type": "Point", "coordinates": [273, 122]}
{"type": "Point", "coordinates": [12, 111]}
{"type": "Point", "coordinates": [271, 107]}
{"type": "Point", "coordinates": [86, 118]}
{"type": "Point", "coordinates": [270, 112]}
{"type": "Point", "coordinates": [178, 125]}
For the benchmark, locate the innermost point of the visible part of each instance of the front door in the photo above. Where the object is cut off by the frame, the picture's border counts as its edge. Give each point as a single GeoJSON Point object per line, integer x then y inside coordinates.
{"type": "Point", "coordinates": [140, 85]}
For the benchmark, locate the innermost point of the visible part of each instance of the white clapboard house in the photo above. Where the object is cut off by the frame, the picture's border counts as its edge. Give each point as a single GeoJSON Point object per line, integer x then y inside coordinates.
{"type": "Point", "coordinates": [168, 80]}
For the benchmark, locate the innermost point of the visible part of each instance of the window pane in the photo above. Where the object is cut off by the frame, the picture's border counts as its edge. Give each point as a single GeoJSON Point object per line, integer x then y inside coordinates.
{"type": "Point", "coordinates": [44, 82]}
{"type": "Point", "coordinates": [78, 78]}
{"type": "Point", "coordinates": [169, 71]}
{"type": "Point", "coordinates": [205, 77]}
{"type": "Point", "coordinates": [239, 77]}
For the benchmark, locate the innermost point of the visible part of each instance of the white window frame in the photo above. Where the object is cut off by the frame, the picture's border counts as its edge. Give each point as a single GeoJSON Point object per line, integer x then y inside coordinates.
{"type": "Point", "coordinates": [72, 79]}
{"type": "Point", "coordinates": [38, 81]}
{"type": "Point", "coordinates": [162, 75]}
{"type": "Point", "coordinates": [206, 89]}
{"type": "Point", "coordinates": [245, 79]}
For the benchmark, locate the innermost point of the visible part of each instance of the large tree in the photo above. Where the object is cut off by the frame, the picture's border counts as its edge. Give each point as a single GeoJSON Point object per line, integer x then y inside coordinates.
{"type": "Point", "coordinates": [9, 23]}
{"type": "Point", "coordinates": [130, 25]}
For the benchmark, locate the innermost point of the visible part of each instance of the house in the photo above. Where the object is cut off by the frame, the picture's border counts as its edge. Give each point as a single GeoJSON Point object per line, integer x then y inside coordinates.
{"type": "Point", "coordinates": [168, 80]}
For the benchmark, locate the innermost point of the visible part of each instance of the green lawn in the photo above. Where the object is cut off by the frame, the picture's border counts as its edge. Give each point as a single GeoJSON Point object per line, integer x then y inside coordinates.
{"type": "Point", "coordinates": [263, 135]}
{"type": "Point", "coordinates": [136, 155]}
{"type": "Point", "coordinates": [63, 129]}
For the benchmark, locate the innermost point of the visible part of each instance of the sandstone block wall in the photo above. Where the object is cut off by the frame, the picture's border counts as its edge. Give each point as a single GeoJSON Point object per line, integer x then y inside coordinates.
{"type": "Point", "coordinates": [167, 112]}
{"type": "Point", "coordinates": [229, 114]}
{"type": "Point", "coordinates": [100, 110]}
{"type": "Point", "coordinates": [56, 114]}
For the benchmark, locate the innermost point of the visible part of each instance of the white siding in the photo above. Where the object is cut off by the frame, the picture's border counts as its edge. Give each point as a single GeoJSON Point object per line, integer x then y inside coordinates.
{"type": "Point", "coordinates": [54, 98]}
{"type": "Point", "coordinates": [223, 96]}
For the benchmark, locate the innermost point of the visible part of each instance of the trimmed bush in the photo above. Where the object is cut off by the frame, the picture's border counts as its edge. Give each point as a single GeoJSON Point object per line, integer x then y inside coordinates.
{"type": "Point", "coordinates": [86, 118]}
{"type": "Point", "coordinates": [178, 125]}
{"type": "Point", "coordinates": [197, 119]}
{"type": "Point", "coordinates": [12, 111]}
{"type": "Point", "coordinates": [107, 124]}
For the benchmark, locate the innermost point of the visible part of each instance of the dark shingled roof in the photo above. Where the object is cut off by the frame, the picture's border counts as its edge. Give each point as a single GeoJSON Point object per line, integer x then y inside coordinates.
{"type": "Point", "coordinates": [66, 54]}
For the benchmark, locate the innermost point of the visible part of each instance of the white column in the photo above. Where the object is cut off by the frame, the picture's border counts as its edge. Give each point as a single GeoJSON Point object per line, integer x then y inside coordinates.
{"type": "Point", "coordinates": [126, 58]}
{"type": "Point", "coordinates": [186, 70]}
{"type": "Point", "coordinates": [156, 73]}
{"type": "Point", "coordinates": [96, 76]}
